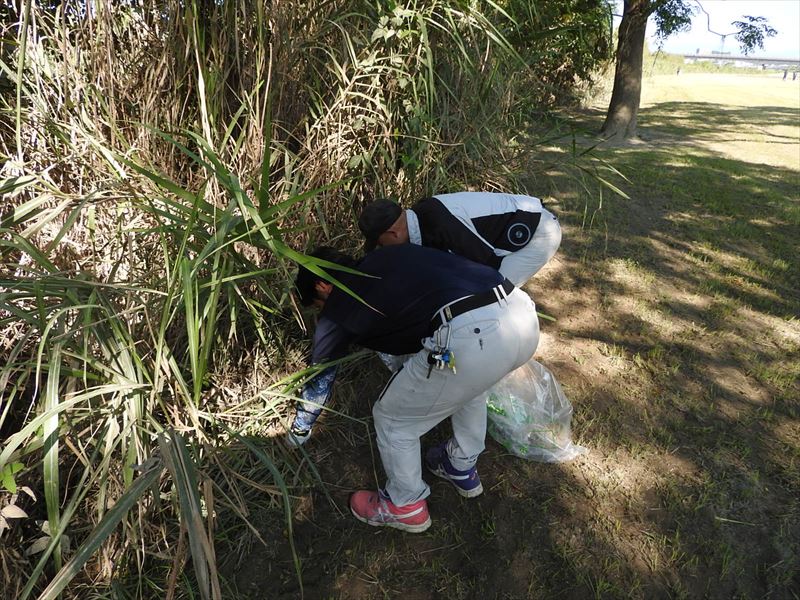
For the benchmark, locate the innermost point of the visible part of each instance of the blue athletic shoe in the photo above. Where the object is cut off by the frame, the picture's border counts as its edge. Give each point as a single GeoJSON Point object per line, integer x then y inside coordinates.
{"type": "Point", "coordinates": [467, 483]}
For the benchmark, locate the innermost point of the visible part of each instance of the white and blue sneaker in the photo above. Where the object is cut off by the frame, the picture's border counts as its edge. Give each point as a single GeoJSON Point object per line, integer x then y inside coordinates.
{"type": "Point", "coordinates": [296, 436]}
{"type": "Point", "coordinates": [467, 483]}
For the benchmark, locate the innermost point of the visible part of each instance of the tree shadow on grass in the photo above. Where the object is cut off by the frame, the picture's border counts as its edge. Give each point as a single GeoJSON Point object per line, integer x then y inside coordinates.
{"type": "Point", "coordinates": [708, 121]}
{"type": "Point", "coordinates": [688, 490]}
{"type": "Point", "coordinates": [742, 219]}
{"type": "Point", "coordinates": [688, 293]}
{"type": "Point", "coordinates": [676, 339]}
{"type": "Point", "coordinates": [685, 122]}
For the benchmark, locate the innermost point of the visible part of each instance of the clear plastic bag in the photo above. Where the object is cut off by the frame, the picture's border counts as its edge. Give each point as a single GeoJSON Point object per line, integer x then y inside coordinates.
{"type": "Point", "coordinates": [530, 415]}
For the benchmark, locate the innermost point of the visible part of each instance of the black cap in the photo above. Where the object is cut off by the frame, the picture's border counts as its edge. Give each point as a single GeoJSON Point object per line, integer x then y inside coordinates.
{"type": "Point", "coordinates": [306, 281]}
{"type": "Point", "coordinates": [304, 286]}
{"type": "Point", "coordinates": [376, 218]}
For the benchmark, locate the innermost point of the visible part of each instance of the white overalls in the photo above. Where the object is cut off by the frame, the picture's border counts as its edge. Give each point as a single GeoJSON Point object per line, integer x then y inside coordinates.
{"type": "Point", "coordinates": [487, 342]}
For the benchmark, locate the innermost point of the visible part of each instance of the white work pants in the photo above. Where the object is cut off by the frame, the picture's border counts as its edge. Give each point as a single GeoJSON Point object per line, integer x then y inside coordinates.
{"type": "Point", "coordinates": [488, 343]}
{"type": "Point", "coordinates": [523, 264]}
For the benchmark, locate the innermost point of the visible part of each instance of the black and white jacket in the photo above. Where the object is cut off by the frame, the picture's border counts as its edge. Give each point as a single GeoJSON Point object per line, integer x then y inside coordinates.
{"type": "Point", "coordinates": [481, 226]}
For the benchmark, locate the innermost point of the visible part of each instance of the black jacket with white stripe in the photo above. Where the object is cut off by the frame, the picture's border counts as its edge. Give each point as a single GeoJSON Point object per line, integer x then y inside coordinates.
{"type": "Point", "coordinates": [481, 226]}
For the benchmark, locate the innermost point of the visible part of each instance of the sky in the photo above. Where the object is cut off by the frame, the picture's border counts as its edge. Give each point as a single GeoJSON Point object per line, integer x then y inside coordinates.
{"type": "Point", "coordinates": [783, 15]}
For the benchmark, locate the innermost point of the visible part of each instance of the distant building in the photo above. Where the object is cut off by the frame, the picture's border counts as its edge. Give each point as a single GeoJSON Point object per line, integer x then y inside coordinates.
{"type": "Point", "coordinates": [727, 59]}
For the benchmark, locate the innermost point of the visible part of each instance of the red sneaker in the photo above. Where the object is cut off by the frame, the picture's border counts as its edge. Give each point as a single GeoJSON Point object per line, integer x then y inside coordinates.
{"type": "Point", "coordinates": [375, 508]}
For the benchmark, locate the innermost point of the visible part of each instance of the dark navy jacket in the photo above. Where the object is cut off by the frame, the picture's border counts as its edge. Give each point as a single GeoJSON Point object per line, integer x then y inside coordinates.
{"type": "Point", "coordinates": [410, 284]}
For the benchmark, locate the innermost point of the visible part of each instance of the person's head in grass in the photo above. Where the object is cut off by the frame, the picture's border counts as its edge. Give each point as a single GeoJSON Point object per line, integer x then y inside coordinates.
{"type": "Point", "coordinates": [311, 287]}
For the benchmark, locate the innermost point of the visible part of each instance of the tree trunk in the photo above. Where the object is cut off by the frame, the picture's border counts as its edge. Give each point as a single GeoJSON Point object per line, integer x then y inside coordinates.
{"type": "Point", "coordinates": [624, 107]}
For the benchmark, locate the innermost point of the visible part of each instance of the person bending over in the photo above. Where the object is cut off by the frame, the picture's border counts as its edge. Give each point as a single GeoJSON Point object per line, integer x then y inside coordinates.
{"type": "Point", "coordinates": [514, 234]}
{"type": "Point", "coordinates": [464, 327]}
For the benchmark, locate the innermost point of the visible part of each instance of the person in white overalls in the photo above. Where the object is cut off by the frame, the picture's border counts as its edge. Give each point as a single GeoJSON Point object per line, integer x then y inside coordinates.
{"type": "Point", "coordinates": [462, 327]}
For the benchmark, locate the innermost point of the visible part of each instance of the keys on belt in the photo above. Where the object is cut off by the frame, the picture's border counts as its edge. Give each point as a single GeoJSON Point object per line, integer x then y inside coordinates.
{"type": "Point", "coordinates": [442, 356]}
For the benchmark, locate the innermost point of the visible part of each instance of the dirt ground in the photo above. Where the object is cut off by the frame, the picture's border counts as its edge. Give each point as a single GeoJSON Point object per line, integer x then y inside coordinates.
{"type": "Point", "coordinates": [680, 352]}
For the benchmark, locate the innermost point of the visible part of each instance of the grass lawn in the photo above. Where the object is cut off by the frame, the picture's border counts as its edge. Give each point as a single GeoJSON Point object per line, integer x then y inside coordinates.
{"type": "Point", "coordinates": [678, 341]}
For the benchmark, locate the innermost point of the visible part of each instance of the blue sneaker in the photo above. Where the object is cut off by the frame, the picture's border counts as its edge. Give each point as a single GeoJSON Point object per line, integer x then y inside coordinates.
{"type": "Point", "coordinates": [467, 483]}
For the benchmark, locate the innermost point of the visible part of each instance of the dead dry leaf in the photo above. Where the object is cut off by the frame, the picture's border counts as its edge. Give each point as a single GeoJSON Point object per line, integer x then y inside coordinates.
{"type": "Point", "coordinates": [12, 511]}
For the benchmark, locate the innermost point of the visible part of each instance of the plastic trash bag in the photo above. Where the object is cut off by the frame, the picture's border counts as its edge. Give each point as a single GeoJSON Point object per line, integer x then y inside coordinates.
{"type": "Point", "coordinates": [530, 415]}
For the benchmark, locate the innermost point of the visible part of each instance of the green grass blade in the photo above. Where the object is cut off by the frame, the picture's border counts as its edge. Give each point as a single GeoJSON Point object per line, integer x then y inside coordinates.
{"type": "Point", "coordinates": [184, 475]}
{"type": "Point", "coordinates": [23, 44]}
{"type": "Point", "coordinates": [83, 487]}
{"type": "Point", "coordinates": [100, 533]}
{"type": "Point", "coordinates": [604, 182]}
{"type": "Point", "coordinates": [160, 181]}
{"type": "Point", "coordinates": [17, 439]}
{"type": "Point", "coordinates": [262, 193]}
{"type": "Point", "coordinates": [20, 243]}
{"type": "Point", "coordinates": [209, 322]}
{"type": "Point", "coordinates": [314, 265]}
{"type": "Point", "coordinates": [50, 436]}
{"type": "Point", "coordinates": [70, 220]}
{"type": "Point", "coordinates": [12, 184]}
{"type": "Point", "coordinates": [192, 324]}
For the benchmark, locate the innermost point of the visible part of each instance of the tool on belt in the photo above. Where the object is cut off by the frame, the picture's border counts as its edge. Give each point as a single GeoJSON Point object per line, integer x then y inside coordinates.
{"type": "Point", "coordinates": [442, 356]}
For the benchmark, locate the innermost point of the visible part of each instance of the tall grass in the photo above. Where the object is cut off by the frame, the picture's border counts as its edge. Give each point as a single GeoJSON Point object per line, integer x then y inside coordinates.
{"type": "Point", "coordinates": [164, 168]}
